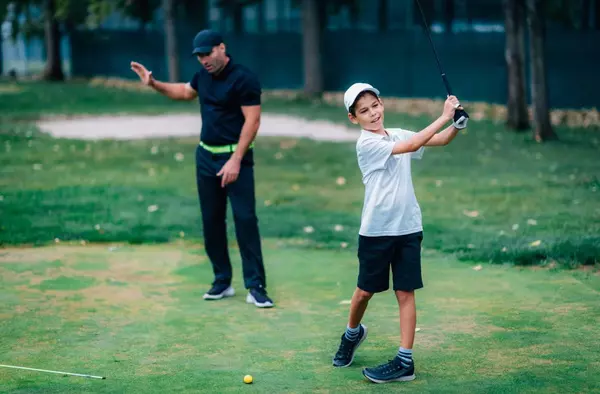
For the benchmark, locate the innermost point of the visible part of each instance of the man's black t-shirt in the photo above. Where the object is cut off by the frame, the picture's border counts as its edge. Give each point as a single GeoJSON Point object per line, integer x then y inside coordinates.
{"type": "Point", "coordinates": [221, 97]}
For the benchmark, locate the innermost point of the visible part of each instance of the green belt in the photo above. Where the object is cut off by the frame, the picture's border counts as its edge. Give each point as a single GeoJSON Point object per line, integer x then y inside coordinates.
{"type": "Point", "coordinates": [222, 148]}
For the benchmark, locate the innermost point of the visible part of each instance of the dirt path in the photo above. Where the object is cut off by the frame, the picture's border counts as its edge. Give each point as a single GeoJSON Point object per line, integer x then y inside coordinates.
{"type": "Point", "coordinates": [183, 125]}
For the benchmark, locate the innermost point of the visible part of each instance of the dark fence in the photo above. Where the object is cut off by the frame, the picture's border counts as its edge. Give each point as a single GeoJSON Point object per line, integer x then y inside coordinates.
{"type": "Point", "coordinates": [401, 63]}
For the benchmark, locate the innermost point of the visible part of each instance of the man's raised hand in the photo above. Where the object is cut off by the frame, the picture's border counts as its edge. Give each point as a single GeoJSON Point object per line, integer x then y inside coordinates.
{"type": "Point", "coordinates": [145, 75]}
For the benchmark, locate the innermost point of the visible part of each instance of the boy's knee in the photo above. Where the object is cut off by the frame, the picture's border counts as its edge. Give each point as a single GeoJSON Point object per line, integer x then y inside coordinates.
{"type": "Point", "coordinates": [403, 296]}
{"type": "Point", "coordinates": [363, 296]}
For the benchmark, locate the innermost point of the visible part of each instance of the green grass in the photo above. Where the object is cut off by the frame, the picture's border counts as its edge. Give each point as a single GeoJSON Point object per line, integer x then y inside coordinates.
{"type": "Point", "coordinates": [500, 329]}
{"type": "Point", "coordinates": [25, 101]}
{"type": "Point", "coordinates": [102, 300]}
{"type": "Point", "coordinates": [534, 203]}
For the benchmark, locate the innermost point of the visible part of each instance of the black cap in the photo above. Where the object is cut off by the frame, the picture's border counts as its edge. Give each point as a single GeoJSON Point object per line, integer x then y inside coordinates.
{"type": "Point", "coordinates": [205, 41]}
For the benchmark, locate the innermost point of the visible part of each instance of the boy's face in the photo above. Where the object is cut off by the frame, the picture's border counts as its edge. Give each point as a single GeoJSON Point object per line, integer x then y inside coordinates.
{"type": "Point", "coordinates": [368, 111]}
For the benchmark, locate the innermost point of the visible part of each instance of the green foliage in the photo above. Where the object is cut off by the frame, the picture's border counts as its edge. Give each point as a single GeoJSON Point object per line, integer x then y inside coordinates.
{"type": "Point", "coordinates": [142, 10]}
{"type": "Point", "coordinates": [73, 13]}
{"type": "Point", "coordinates": [572, 14]}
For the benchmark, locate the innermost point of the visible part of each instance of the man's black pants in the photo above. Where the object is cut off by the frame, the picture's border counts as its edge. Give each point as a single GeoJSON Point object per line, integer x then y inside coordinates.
{"type": "Point", "coordinates": [213, 204]}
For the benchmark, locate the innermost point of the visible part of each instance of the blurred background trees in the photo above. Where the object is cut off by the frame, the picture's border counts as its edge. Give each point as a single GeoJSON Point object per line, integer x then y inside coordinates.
{"type": "Point", "coordinates": [524, 24]}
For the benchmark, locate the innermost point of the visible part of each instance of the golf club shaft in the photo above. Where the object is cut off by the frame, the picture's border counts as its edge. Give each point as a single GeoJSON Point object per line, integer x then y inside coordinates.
{"type": "Point", "coordinates": [444, 79]}
{"type": "Point", "coordinates": [57, 372]}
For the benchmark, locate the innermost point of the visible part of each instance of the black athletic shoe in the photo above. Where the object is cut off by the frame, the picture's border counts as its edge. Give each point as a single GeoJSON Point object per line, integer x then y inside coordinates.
{"type": "Point", "coordinates": [259, 297]}
{"type": "Point", "coordinates": [219, 291]}
{"type": "Point", "coordinates": [345, 353]}
{"type": "Point", "coordinates": [392, 371]}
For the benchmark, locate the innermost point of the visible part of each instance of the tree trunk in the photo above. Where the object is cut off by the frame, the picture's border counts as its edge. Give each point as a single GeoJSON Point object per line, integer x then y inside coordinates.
{"type": "Point", "coordinates": [597, 15]}
{"type": "Point", "coordinates": [586, 8]}
{"type": "Point", "coordinates": [382, 16]}
{"type": "Point", "coordinates": [171, 40]}
{"type": "Point", "coordinates": [260, 16]}
{"type": "Point", "coordinates": [354, 12]}
{"type": "Point", "coordinates": [517, 117]}
{"type": "Point", "coordinates": [53, 69]}
{"type": "Point", "coordinates": [311, 48]}
{"type": "Point", "coordinates": [448, 15]}
{"type": "Point", "coordinates": [428, 7]}
{"type": "Point", "coordinates": [542, 130]}
{"type": "Point", "coordinates": [1, 53]}
{"type": "Point", "coordinates": [238, 18]}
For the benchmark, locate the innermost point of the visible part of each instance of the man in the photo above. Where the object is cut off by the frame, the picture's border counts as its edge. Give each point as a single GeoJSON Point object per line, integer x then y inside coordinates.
{"type": "Point", "coordinates": [229, 95]}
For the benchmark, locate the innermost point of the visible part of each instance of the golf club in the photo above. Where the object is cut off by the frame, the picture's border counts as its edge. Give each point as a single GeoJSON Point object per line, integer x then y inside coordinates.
{"type": "Point", "coordinates": [57, 372]}
{"type": "Point", "coordinates": [460, 115]}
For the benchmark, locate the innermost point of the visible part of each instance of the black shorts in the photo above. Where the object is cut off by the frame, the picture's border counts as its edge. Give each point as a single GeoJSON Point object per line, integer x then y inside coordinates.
{"type": "Point", "coordinates": [376, 255]}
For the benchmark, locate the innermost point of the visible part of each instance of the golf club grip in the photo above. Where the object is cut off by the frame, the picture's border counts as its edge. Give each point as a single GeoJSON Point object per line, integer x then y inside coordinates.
{"type": "Point", "coordinates": [459, 113]}
{"type": "Point", "coordinates": [447, 84]}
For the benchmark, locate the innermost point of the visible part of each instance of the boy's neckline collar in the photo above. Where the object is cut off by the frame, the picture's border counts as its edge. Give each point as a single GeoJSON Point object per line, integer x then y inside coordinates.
{"type": "Point", "coordinates": [377, 135]}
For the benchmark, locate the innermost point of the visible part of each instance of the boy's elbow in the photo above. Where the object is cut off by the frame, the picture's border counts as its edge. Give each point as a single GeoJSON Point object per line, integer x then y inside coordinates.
{"type": "Point", "coordinates": [413, 147]}
{"type": "Point", "coordinates": [404, 148]}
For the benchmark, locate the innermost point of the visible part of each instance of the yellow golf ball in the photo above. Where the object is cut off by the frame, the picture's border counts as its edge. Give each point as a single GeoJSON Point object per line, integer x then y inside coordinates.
{"type": "Point", "coordinates": [248, 379]}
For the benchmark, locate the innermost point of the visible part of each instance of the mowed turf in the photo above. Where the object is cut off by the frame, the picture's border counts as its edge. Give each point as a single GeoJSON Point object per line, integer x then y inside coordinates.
{"type": "Point", "coordinates": [491, 195]}
{"type": "Point", "coordinates": [135, 314]}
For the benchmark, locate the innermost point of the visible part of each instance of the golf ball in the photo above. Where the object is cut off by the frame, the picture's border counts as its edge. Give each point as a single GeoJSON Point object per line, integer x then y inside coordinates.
{"type": "Point", "coordinates": [248, 379]}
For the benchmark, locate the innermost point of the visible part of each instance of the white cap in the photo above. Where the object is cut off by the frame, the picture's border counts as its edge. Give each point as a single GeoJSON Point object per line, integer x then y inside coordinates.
{"type": "Point", "coordinates": [353, 92]}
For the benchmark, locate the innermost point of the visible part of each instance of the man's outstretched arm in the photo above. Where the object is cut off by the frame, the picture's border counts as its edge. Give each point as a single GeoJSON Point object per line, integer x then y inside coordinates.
{"type": "Point", "coordinates": [174, 91]}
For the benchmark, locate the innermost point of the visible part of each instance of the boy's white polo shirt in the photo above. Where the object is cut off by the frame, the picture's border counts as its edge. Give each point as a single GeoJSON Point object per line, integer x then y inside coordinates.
{"type": "Point", "coordinates": [390, 206]}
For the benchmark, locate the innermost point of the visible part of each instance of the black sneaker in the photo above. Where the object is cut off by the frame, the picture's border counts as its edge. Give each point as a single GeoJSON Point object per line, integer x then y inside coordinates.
{"type": "Point", "coordinates": [345, 353]}
{"type": "Point", "coordinates": [259, 298]}
{"type": "Point", "coordinates": [218, 291]}
{"type": "Point", "coordinates": [392, 371]}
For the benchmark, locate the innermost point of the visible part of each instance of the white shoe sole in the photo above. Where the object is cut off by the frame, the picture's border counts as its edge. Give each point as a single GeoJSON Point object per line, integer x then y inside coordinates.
{"type": "Point", "coordinates": [228, 292]}
{"type": "Point", "coordinates": [251, 300]}
{"type": "Point", "coordinates": [357, 346]}
{"type": "Point", "coordinates": [402, 379]}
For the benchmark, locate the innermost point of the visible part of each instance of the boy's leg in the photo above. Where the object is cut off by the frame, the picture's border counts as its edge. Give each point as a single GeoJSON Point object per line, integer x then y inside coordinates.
{"type": "Point", "coordinates": [374, 254]}
{"type": "Point", "coordinates": [408, 324]}
{"type": "Point", "coordinates": [358, 306]}
{"type": "Point", "coordinates": [408, 317]}
{"type": "Point", "coordinates": [406, 269]}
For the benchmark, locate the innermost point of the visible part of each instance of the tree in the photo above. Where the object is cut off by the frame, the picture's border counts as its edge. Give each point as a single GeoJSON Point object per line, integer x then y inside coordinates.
{"type": "Point", "coordinates": [315, 15]}
{"type": "Point", "coordinates": [52, 37]}
{"type": "Point", "coordinates": [171, 40]}
{"type": "Point", "coordinates": [382, 15]}
{"type": "Point", "coordinates": [449, 10]}
{"type": "Point", "coordinates": [514, 12]}
{"type": "Point", "coordinates": [54, 16]}
{"type": "Point", "coordinates": [235, 9]}
{"type": "Point", "coordinates": [539, 92]}
{"type": "Point", "coordinates": [311, 48]}
{"type": "Point", "coordinates": [141, 10]}
{"type": "Point", "coordinates": [46, 25]}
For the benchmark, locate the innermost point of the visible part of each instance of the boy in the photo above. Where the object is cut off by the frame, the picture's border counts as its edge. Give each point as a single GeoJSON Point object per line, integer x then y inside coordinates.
{"type": "Point", "coordinates": [391, 232]}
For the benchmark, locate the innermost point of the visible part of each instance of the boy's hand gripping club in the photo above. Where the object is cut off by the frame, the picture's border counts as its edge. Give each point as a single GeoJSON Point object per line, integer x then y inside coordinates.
{"type": "Point", "coordinates": [461, 117]}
